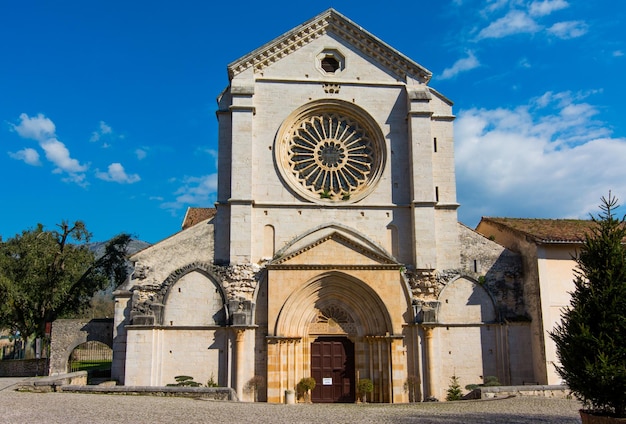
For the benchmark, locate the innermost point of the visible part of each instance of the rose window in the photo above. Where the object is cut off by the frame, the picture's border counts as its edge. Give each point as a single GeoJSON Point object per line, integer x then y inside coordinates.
{"type": "Point", "coordinates": [330, 155]}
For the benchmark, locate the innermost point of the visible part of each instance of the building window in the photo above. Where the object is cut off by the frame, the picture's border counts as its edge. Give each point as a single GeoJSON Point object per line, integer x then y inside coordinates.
{"type": "Point", "coordinates": [330, 152]}
{"type": "Point", "coordinates": [330, 62]}
{"type": "Point", "coordinates": [330, 65]}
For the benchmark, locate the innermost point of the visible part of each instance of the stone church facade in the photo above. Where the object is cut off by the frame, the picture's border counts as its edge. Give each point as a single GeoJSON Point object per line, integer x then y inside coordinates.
{"type": "Point", "coordinates": [334, 250]}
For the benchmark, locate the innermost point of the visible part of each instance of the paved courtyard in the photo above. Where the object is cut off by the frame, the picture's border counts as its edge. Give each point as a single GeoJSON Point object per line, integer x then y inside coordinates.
{"type": "Point", "coordinates": [71, 408]}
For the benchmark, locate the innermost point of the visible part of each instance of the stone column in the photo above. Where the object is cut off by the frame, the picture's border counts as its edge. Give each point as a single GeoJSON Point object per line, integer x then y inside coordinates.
{"type": "Point", "coordinates": [430, 360]}
{"type": "Point", "coordinates": [239, 363]}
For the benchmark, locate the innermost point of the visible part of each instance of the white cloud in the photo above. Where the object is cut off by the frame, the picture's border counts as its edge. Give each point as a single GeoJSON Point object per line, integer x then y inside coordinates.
{"type": "Point", "coordinates": [195, 191]}
{"type": "Point", "coordinates": [618, 53]}
{"type": "Point", "coordinates": [550, 158]}
{"type": "Point", "coordinates": [461, 65]}
{"type": "Point", "coordinates": [116, 173]}
{"type": "Point", "coordinates": [546, 7]}
{"type": "Point", "coordinates": [42, 130]}
{"type": "Point", "coordinates": [103, 129]}
{"type": "Point", "coordinates": [141, 154]}
{"type": "Point", "coordinates": [493, 5]}
{"type": "Point", "coordinates": [38, 128]}
{"type": "Point", "coordinates": [568, 29]}
{"type": "Point", "coordinates": [514, 22]}
{"type": "Point", "coordinates": [27, 155]}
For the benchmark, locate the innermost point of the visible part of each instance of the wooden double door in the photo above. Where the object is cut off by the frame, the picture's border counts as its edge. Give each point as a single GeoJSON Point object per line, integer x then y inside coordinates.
{"type": "Point", "coordinates": [332, 367]}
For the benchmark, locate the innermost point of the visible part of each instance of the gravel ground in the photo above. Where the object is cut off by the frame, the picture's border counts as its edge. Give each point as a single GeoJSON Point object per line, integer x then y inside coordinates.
{"type": "Point", "coordinates": [16, 407]}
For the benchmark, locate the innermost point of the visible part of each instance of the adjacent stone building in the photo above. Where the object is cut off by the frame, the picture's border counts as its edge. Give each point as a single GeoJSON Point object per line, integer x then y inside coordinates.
{"type": "Point", "coordinates": [548, 248]}
{"type": "Point", "coordinates": [334, 250]}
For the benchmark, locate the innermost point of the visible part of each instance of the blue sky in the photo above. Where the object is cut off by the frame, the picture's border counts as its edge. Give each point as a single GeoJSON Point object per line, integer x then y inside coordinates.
{"type": "Point", "coordinates": [107, 108]}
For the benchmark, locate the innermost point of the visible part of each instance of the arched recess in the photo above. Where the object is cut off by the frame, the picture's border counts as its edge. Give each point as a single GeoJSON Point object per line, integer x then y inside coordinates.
{"type": "Point", "coordinates": [333, 288]}
{"type": "Point", "coordinates": [464, 301]}
{"type": "Point", "coordinates": [194, 298]}
{"type": "Point", "coordinates": [269, 241]}
{"type": "Point", "coordinates": [92, 356]}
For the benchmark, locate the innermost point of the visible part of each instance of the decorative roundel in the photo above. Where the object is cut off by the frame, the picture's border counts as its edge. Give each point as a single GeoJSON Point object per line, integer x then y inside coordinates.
{"type": "Point", "coordinates": [330, 151]}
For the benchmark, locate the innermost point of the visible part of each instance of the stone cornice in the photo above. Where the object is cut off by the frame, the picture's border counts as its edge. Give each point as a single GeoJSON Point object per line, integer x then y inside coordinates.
{"type": "Point", "coordinates": [447, 206]}
{"type": "Point", "coordinates": [301, 267]}
{"type": "Point", "coordinates": [445, 118]}
{"type": "Point", "coordinates": [330, 21]}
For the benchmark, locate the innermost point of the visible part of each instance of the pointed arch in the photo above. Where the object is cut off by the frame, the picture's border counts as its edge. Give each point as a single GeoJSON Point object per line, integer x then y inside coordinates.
{"type": "Point", "coordinates": [193, 296]}
{"type": "Point", "coordinates": [463, 300]}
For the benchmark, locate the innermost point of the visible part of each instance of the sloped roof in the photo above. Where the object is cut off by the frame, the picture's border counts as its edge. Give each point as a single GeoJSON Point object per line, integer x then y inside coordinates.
{"type": "Point", "coordinates": [335, 22]}
{"type": "Point", "coordinates": [197, 215]}
{"type": "Point", "coordinates": [545, 230]}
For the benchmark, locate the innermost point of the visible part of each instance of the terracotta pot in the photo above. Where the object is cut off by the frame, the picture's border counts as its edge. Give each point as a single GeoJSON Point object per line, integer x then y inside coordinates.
{"type": "Point", "coordinates": [589, 418]}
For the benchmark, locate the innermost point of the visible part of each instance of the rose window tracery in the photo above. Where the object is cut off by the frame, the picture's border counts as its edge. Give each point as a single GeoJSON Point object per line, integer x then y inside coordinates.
{"type": "Point", "coordinates": [331, 154]}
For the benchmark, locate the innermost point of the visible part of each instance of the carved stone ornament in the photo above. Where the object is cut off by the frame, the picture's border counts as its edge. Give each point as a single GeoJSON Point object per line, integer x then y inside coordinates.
{"type": "Point", "coordinates": [330, 151]}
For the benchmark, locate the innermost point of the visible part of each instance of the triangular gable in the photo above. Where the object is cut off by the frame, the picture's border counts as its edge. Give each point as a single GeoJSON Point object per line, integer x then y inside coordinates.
{"type": "Point", "coordinates": [335, 22]}
{"type": "Point", "coordinates": [337, 250]}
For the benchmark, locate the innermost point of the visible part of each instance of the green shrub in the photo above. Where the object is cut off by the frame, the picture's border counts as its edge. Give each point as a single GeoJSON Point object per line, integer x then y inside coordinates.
{"type": "Point", "coordinates": [454, 390]}
{"type": "Point", "coordinates": [185, 381]}
{"type": "Point", "coordinates": [364, 386]}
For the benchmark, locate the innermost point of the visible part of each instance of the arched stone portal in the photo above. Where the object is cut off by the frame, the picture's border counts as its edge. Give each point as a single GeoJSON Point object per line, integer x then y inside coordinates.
{"type": "Point", "coordinates": [335, 317]}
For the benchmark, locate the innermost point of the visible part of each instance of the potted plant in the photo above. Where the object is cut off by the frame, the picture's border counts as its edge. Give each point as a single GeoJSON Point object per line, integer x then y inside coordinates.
{"type": "Point", "coordinates": [364, 386]}
{"type": "Point", "coordinates": [305, 386]}
{"type": "Point", "coordinates": [591, 338]}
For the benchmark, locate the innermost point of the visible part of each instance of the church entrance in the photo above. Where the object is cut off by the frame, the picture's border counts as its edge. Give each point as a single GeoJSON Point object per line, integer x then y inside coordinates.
{"type": "Point", "coordinates": [332, 367]}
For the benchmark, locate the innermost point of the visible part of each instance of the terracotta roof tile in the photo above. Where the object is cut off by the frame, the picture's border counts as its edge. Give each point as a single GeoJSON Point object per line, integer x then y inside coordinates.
{"type": "Point", "coordinates": [197, 215]}
{"type": "Point", "coordinates": [546, 230]}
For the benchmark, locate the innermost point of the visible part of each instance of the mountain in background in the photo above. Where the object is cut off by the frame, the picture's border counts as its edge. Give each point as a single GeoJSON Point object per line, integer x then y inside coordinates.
{"type": "Point", "coordinates": [133, 247]}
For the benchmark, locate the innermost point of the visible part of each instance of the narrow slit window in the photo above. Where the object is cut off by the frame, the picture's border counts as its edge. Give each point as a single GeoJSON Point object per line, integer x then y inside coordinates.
{"type": "Point", "coordinates": [436, 194]}
{"type": "Point", "coordinates": [435, 144]}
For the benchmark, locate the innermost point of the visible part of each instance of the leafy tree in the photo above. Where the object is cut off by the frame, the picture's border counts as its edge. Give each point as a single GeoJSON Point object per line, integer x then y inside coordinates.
{"type": "Point", "coordinates": [591, 338]}
{"type": "Point", "coordinates": [48, 274]}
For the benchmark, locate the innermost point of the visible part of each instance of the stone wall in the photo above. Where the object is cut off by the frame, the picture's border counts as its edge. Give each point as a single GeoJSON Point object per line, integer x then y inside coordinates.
{"type": "Point", "coordinates": [499, 270]}
{"type": "Point", "coordinates": [69, 333]}
{"type": "Point", "coordinates": [551, 391]}
{"type": "Point", "coordinates": [23, 367]}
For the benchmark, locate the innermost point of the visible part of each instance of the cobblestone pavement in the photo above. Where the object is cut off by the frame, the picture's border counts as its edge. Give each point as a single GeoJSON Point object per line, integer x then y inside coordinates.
{"type": "Point", "coordinates": [16, 407]}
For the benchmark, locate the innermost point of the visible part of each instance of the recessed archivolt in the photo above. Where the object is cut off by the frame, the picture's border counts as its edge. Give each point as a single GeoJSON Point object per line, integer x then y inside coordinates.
{"type": "Point", "coordinates": [334, 292]}
{"type": "Point", "coordinates": [209, 270]}
{"type": "Point", "coordinates": [464, 300]}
